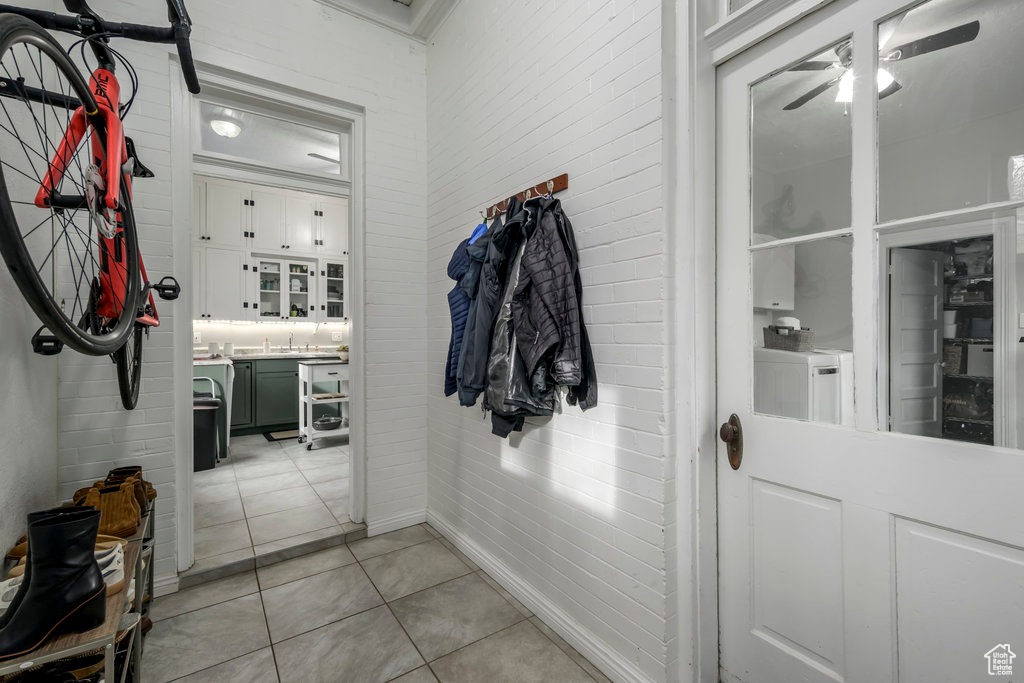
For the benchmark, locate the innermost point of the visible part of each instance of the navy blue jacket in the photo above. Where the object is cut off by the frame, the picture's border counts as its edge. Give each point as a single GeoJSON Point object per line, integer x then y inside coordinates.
{"type": "Point", "coordinates": [458, 305]}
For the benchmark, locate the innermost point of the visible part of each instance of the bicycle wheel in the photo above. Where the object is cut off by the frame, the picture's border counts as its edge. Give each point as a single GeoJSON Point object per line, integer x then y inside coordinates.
{"type": "Point", "coordinates": [58, 255]}
{"type": "Point", "coordinates": [129, 368]}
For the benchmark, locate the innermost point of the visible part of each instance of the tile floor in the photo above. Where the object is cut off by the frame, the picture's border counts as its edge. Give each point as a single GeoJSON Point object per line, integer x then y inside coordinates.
{"type": "Point", "coordinates": [405, 606]}
{"type": "Point", "coordinates": [268, 497]}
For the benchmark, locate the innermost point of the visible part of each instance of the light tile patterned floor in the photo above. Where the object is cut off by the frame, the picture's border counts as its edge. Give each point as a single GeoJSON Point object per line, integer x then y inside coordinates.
{"type": "Point", "coordinates": [405, 606]}
{"type": "Point", "coordinates": [268, 494]}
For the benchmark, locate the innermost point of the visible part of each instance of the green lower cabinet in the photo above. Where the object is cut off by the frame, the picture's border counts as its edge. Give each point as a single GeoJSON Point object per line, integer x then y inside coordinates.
{"type": "Point", "coordinates": [241, 396]}
{"type": "Point", "coordinates": [277, 397]}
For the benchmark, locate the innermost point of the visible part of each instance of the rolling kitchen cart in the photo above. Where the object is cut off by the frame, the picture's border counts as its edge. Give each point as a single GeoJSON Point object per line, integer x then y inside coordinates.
{"type": "Point", "coordinates": [323, 383]}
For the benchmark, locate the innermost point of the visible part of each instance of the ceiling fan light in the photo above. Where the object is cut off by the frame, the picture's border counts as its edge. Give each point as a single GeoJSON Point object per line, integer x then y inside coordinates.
{"type": "Point", "coordinates": [885, 79]}
{"type": "Point", "coordinates": [225, 128]}
{"type": "Point", "coordinates": [845, 93]}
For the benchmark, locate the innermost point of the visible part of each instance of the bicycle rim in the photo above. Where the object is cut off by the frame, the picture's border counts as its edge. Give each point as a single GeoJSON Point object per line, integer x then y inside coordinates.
{"type": "Point", "coordinates": [57, 255]}
{"type": "Point", "coordinates": [129, 368]}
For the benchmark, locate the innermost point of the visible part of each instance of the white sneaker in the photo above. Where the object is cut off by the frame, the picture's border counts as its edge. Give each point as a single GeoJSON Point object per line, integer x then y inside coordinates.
{"type": "Point", "coordinates": [8, 589]}
{"type": "Point", "coordinates": [112, 566]}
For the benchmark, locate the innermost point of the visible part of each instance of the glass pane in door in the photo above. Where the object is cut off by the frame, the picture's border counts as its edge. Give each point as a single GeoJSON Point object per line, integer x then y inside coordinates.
{"type": "Point", "coordinates": [803, 330]}
{"type": "Point", "coordinates": [951, 115]}
{"type": "Point", "coordinates": [948, 375]}
{"type": "Point", "coordinates": [801, 147]}
{"type": "Point", "coordinates": [298, 290]}
{"type": "Point", "coordinates": [270, 289]}
{"type": "Point", "coordinates": [335, 290]}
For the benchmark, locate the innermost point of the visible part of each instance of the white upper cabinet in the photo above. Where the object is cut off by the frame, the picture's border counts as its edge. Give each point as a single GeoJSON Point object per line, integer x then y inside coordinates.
{"type": "Point", "coordinates": [268, 216]}
{"type": "Point", "coordinates": [332, 229]}
{"type": "Point", "coordinates": [774, 278]}
{"type": "Point", "coordinates": [225, 214]}
{"type": "Point", "coordinates": [299, 223]}
{"type": "Point", "coordinates": [223, 284]}
{"type": "Point", "coordinates": [243, 230]}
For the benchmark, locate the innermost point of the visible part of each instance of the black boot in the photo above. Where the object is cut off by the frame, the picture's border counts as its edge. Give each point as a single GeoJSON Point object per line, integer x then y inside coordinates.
{"type": "Point", "coordinates": [23, 587]}
{"type": "Point", "coordinates": [65, 588]}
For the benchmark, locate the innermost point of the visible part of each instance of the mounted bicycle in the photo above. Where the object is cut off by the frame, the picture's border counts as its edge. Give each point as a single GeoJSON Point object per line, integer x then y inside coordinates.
{"type": "Point", "coordinates": [67, 229]}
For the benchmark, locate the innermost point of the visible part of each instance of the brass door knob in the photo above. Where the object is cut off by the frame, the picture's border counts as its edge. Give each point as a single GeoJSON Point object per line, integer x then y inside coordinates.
{"type": "Point", "coordinates": [731, 433]}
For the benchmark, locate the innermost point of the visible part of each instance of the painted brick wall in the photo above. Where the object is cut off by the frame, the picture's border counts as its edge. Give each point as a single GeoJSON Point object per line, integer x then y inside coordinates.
{"type": "Point", "coordinates": [28, 404]}
{"type": "Point", "coordinates": [309, 47]}
{"type": "Point", "coordinates": [571, 514]}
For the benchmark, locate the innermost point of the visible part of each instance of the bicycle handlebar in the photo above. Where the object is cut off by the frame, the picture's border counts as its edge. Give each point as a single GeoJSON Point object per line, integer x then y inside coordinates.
{"type": "Point", "coordinates": [178, 33]}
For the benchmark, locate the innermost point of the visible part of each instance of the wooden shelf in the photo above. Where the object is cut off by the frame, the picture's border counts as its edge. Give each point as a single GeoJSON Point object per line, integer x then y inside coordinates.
{"type": "Point", "coordinates": [972, 378]}
{"type": "Point", "coordinates": [961, 278]}
{"type": "Point", "coordinates": [969, 420]}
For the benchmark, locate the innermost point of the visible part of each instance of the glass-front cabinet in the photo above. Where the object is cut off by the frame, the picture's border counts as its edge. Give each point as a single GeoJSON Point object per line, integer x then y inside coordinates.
{"type": "Point", "coordinates": [332, 290]}
{"type": "Point", "coordinates": [287, 289]}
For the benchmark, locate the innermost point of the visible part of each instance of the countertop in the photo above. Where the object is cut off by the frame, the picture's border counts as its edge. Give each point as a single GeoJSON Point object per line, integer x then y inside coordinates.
{"type": "Point", "coordinates": [295, 355]}
{"type": "Point", "coordinates": [213, 361]}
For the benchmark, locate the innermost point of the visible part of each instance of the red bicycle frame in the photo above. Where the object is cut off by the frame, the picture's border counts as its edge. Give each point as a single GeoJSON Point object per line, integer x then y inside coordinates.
{"type": "Point", "coordinates": [107, 91]}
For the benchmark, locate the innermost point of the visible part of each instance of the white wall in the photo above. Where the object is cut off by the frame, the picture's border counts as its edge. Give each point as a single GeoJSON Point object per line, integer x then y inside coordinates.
{"type": "Point", "coordinates": [303, 45]}
{"type": "Point", "coordinates": [28, 413]}
{"type": "Point", "coordinates": [571, 515]}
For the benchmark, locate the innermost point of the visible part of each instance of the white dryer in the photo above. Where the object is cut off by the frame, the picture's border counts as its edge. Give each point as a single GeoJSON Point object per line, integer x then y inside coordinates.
{"type": "Point", "coordinates": [806, 385]}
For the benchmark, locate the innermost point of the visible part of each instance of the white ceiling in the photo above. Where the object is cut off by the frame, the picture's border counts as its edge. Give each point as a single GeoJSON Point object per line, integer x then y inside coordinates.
{"type": "Point", "coordinates": [941, 90]}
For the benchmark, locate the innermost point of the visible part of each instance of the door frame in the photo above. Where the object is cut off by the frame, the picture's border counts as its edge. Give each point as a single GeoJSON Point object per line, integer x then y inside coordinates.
{"type": "Point", "coordinates": [1004, 239]}
{"type": "Point", "coordinates": [272, 95]}
{"type": "Point", "coordinates": [706, 40]}
{"type": "Point", "coordinates": [703, 37]}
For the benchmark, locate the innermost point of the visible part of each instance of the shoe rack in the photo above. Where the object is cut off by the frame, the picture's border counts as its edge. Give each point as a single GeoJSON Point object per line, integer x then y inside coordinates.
{"type": "Point", "coordinates": [122, 662]}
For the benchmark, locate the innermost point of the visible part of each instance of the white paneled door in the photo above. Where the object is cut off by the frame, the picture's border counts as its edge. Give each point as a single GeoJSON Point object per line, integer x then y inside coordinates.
{"type": "Point", "coordinates": [852, 552]}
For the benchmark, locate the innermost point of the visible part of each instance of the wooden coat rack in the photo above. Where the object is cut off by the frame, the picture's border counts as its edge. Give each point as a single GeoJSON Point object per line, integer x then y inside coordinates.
{"type": "Point", "coordinates": [553, 186]}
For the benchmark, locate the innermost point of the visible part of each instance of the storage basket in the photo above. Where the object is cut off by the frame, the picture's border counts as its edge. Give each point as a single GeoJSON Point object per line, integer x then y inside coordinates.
{"type": "Point", "coordinates": [788, 338]}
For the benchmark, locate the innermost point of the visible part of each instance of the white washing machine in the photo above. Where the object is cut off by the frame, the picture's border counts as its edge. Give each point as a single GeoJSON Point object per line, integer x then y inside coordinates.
{"type": "Point", "coordinates": [806, 385]}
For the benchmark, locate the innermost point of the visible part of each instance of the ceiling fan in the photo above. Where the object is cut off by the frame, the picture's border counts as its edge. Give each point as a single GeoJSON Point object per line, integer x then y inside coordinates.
{"type": "Point", "coordinates": [887, 85]}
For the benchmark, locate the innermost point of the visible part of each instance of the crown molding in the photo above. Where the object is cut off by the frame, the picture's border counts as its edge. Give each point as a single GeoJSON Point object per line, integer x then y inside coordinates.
{"type": "Point", "coordinates": [417, 22]}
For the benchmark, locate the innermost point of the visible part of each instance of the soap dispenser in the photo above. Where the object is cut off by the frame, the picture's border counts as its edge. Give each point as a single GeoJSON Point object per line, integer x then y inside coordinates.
{"type": "Point", "coordinates": [266, 345]}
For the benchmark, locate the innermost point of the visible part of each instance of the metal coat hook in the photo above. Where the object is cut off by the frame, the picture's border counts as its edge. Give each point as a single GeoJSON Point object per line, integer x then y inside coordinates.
{"type": "Point", "coordinates": [551, 186]}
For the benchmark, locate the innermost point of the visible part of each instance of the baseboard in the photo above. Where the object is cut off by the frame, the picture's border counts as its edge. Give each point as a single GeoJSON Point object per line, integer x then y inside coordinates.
{"type": "Point", "coordinates": [586, 643]}
{"type": "Point", "coordinates": [382, 526]}
{"type": "Point", "coordinates": [165, 585]}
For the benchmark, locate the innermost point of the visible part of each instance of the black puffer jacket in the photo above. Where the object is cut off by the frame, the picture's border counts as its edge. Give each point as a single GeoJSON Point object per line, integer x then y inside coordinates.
{"type": "Point", "coordinates": [510, 389]}
{"type": "Point", "coordinates": [547, 315]}
{"type": "Point", "coordinates": [547, 310]}
{"type": "Point", "coordinates": [503, 242]}
{"type": "Point", "coordinates": [539, 339]}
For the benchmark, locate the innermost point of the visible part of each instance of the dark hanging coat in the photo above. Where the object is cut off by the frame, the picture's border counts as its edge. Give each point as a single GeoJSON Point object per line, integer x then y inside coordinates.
{"type": "Point", "coordinates": [501, 248]}
{"type": "Point", "coordinates": [539, 339]}
{"type": "Point", "coordinates": [458, 306]}
{"type": "Point", "coordinates": [548, 316]}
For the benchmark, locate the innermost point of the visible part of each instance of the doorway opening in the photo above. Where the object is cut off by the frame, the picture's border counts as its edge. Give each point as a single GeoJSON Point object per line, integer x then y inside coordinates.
{"type": "Point", "coordinates": [275, 232]}
{"type": "Point", "coordinates": [943, 389]}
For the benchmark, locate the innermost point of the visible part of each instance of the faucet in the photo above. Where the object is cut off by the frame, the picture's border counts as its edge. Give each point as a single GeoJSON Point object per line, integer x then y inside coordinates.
{"type": "Point", "coordinates": [291, 338]}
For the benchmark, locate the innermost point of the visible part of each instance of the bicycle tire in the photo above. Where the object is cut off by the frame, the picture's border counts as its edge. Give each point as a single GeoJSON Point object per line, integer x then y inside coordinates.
{"type": "Point", "coordinates": [128, 359]}
{"type": "Point", "coordinates": [14, 31]}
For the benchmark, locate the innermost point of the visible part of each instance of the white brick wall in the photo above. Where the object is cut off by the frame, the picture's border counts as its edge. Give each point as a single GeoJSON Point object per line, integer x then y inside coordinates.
{"type": "Point", "coordinates": [28, 404]}
{"type": "Point", "coordinates": [306, 46]}
{"type": "Point", "coordinates": [576, 508]}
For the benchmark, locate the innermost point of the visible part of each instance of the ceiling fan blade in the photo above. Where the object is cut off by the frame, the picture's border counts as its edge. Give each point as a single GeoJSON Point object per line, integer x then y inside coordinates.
{"type": "Point", "coordinates": [964, 33]}
{"type": "Point", "coordinates": [891, 89]}
{"type": "Point", "coordinates": [810, 95]}
{"type": "Point", "coordinates": [321, 157]}
{"type": "Point", "coordinates": [812, 66]}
